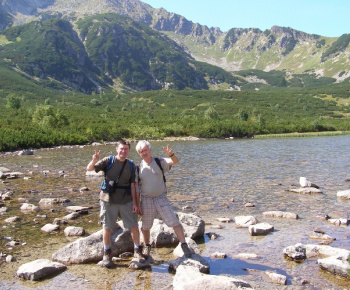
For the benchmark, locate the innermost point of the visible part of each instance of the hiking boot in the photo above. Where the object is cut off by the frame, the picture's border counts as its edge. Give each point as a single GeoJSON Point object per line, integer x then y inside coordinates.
{"type": "Point", "coordinates": [107, 259]}
{"type": "Point", "coordinates": [147, 251]}
{"type": "Point", "coordinates": [138, 254]}
{"type": "Point", "coordinates": [186, 250]}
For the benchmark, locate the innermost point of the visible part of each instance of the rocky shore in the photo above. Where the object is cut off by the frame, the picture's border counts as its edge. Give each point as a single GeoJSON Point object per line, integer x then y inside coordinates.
{"type": "Point", "coordinates": [75, 248]}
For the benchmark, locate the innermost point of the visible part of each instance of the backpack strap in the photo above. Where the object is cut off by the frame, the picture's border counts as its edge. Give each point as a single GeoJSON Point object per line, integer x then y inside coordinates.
{"type": "Point", "coordinates": [110, 162]}
{"type": "Point", "coordinates": [161, 168]}
{"type": "Point", "coordinates": [131, 166]}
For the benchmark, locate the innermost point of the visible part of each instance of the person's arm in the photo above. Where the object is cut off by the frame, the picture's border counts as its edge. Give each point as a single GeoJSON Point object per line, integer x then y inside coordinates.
{"type": "Point", "coordinates": [95, 158]}
{"type": "Point", "coordinates": [136, 199]}
{"type": "Point", "coordinates": [172, 160]}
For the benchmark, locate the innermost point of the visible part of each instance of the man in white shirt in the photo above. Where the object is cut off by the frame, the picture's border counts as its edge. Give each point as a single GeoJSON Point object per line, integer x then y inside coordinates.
{"type": "Point", "coordinates": [150, 183]}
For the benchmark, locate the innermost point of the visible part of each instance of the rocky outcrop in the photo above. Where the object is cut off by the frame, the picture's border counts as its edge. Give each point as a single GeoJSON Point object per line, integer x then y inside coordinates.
{"type": "Point", "coordinates": [90, 249]}
{"type": "Point", "coordinates": [25, 7]}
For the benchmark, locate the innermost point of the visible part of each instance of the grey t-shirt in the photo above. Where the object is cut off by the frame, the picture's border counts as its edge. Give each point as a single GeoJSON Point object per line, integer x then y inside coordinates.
{"type": "Point", "coordinates": [151, 178]}
{"type": "Point", "coordinates": [121, 195]}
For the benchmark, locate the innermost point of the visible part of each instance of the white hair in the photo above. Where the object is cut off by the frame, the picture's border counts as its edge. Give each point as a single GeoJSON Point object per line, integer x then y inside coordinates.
{"type": "Point", "coordinates": [142, 144]}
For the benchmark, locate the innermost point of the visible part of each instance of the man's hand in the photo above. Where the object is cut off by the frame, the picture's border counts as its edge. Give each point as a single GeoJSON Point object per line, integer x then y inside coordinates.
{"type": "Point", "coordinates": [96, 156]}
{"type": "Point", "coordinates": [173, 159]}
{"type": "Point", "coordinates": [136, 209]}
{"type": "Point", "coordinates": [168, 151]}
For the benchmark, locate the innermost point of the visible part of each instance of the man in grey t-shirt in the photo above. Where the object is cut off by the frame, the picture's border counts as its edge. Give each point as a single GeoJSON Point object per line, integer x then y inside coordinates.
{"type": "Point", "coordinates": [150, 183]}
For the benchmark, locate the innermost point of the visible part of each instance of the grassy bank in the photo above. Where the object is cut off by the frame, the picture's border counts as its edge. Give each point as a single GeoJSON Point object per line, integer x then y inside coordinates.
{"type": "Point", "coordinates": [306, 134]}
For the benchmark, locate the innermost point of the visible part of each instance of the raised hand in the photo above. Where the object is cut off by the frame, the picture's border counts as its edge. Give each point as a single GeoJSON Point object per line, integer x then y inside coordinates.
{"type": "Point", "coordinates": [168, 150]}
{"type": "Point", "coordinates": [96, 156]}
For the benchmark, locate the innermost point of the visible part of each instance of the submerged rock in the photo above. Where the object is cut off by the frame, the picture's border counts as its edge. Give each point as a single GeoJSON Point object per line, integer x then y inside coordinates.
{"type": "Point", "coordinates": [277, 278]}
{"type": "Point", "coordinates": [320, 236]}
{"type": "Point", "coordinates": [339, 222]}
{"type": "Point", "coordinates": [306, 190]}
{"type": "Point", "coordinates": [28, 206]}
{"type": "Point", "coordinates": [344, 194]}
{"type": "Point", "coordinates": [280, 214]}
{"type": "Point", "coordinates": [50, 201]}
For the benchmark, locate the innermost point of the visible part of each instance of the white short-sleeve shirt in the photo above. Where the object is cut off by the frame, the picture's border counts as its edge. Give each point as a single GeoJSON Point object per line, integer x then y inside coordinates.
{"type": "Point", "coordinates": [150, 178]}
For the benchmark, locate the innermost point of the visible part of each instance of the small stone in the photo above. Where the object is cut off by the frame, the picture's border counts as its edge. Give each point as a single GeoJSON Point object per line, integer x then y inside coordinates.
{"type": "Point", "coordinates": [217, 227]}
{"type": "Point", "coordinates": [10, 259]}
{"type": "Point", "coordinates": [218, 255]}
{"type": "Point", "coordinates": [187, 207]}
{"type": "Point", "coordinates": [225, 220]}
{"type": "Point", "coordinates": [212, 236]}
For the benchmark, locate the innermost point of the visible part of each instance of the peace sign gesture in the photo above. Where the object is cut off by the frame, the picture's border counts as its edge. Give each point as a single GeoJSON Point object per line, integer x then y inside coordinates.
{"type": "Point", "coordinates": [96, 156]}
{"type": "Point", "coordinates": [168, 151]}
{"type": "Point", "coordinates": [171, 155]}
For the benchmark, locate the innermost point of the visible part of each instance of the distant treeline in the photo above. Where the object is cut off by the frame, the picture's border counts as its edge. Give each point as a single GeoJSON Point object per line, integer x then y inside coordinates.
{"type": "Point", "coordinates": [43, 118]}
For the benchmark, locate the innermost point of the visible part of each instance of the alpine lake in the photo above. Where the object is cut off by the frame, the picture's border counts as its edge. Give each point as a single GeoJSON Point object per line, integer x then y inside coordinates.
{"type": "Point", "coordinates": [214, 179]}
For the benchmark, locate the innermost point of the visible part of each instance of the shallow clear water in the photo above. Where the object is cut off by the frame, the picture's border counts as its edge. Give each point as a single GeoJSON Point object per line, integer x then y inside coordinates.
{"type": "Point", "coordinates": [209, 176]}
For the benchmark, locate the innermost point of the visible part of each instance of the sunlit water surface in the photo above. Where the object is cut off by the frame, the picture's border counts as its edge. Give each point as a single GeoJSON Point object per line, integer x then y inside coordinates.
{"type": "Point", "coordinates": [215, 178]}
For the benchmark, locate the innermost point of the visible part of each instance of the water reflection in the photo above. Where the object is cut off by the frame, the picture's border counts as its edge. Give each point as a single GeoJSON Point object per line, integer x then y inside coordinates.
{"type": "Point", "coordinates": [215, 178]}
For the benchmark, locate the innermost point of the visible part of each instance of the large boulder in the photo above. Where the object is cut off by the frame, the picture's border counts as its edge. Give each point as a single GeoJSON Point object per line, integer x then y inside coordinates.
{"type": "Point", "coordinates": [39, 269]}
{"type": "Point", "coordinates": [90, 249]}
{"type": "Point", "coordinates": [162, 235]}
{"type": "Point", "coordinates": [193, 225]}
{"type": "Point", "coordinates": [188, 277]}
{"type": "Point", "coordinates": [336, 261]}
{"type": "Point", "coordinates": [335, 265]}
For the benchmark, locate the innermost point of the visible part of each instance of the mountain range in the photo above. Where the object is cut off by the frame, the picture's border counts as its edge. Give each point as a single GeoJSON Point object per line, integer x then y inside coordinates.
{"type": "Point", "coordinates": [126, 45]}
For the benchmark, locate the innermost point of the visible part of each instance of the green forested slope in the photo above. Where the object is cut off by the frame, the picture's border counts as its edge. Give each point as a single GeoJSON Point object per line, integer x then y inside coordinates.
{"type": "Point", "coordinates": [47, 120]}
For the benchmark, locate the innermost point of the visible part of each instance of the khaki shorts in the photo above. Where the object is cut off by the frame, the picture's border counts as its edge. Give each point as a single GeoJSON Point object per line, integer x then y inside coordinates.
{"type": "Point", "coordinates": [110, 212]}
{"type": "Point", "coordinates": [161, 205]}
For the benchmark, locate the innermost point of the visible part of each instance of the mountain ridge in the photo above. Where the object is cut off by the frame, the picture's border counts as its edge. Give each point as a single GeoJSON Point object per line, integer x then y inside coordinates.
{"type": "Point", "coordinates": [283, 49]}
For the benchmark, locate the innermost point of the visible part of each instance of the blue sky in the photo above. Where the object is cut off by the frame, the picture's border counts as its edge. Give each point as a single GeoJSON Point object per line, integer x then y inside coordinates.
{"type": "Point", "coordinates": [324, 17]}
